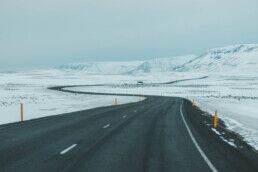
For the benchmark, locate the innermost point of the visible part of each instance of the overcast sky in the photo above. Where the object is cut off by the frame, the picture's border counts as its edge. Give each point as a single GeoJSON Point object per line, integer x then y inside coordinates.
{"type": "Point", "coordinates": [38, 33]}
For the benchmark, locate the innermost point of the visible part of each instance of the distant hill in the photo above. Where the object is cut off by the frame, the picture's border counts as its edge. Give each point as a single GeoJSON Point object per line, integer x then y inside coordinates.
{"type": "Point", "coordinates": [158, 65]}
{"type": "Point", "coordinates": [161, 65]}
{"type": "Point", "coordinates": [240, 58]}
{"type": "Point", "coordinates": [101, 67]}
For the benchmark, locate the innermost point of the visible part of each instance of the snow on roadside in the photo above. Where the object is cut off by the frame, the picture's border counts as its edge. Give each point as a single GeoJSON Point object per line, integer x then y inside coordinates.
{"type": "Point", "coordinates": [230, 142]}
{"type": "Point", "coordinates": [30, 88]}
{"type": "Point", "coordinates": [235, 99]}
{"type": "Point", "coordinates": [40, 102]}
{"type": "Point", "coordinates": [239, 116]}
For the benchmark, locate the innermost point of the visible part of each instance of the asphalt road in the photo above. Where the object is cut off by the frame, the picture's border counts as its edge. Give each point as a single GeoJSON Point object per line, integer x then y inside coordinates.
{"type": "Point", "coordinates": [157, 134]}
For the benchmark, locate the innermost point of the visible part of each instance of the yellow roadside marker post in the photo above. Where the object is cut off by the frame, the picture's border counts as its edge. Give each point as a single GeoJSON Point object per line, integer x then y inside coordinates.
{"type": "Point", "coordinates": [193, 103]}
{"type": "Point", "coordinates": [215, 119]}
{"type": "Point", "coordinates": [21, 112]}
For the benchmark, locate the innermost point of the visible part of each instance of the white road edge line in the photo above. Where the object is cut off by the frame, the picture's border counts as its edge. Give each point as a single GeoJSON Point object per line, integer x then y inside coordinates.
{"type": "Point", "coordinates": [68, 149]}
{"type": "Point", "coordinates": [106, 126]}
{"type": "Point", "coordinates": [206, 159]}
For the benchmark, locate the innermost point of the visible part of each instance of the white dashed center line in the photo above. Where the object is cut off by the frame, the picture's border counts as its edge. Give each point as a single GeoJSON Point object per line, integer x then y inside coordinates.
{"type": "Point", "coordinates": [106, 126]}
{"type": "Point", "coordinates": [68, 149]}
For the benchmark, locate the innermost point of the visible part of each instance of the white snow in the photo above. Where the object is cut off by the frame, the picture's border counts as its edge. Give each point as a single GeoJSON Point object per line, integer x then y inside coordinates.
{"type": "Point", "coordinates": [237, 58]}
{"type": "Point", "coordinates": [234, 97]}
{"type": "Point", "coordinates": [230, 141]}
{"type": "Point", "coordinates": [160, 65]}
{"type": "Point", "coordinates": [101, 67]}
{"type": "Point", "coordinates": [215, 131]}
{"type": "Point", "coordinates": [239, 115]}
{"type": "Point", "coordinates": [153, 66]}
{"type": "Point", "coordinates": [30, 88]}
{"type": "Point", "coordinates": [231, 87]}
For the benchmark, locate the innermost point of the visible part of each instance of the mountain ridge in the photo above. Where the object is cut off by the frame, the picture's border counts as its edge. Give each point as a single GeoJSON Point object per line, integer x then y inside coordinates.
{"type": "Point", "coordinates": [222, 59]}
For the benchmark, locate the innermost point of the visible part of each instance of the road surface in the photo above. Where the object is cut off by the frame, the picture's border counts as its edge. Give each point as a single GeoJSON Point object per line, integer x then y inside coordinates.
{"type": "Point", "coordinates": [157, 134]}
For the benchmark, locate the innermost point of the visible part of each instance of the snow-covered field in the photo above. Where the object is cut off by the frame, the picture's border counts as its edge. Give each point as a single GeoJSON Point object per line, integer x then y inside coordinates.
{"type": "Point", "coordinates": [30, 88]}
{"type": "Point", "coordinates": [229, 85]}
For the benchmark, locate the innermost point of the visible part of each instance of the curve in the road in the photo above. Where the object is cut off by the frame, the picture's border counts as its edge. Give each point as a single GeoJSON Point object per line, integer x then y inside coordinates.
{"type": "Point", "coordinates": [157, 134]}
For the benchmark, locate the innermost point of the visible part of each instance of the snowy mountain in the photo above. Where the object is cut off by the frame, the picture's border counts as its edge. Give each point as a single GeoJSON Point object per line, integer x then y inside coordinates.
{"type": "Point", "coordinates": [241, 58]}
{"type": "Point", "coordinates": [160, 65]}
{"type": "Point", "coordinates": [236, 58]}
{"type": "Point", "coordinates": [101, 67]}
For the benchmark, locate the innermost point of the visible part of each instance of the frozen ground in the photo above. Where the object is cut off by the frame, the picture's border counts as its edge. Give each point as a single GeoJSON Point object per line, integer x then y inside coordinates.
{"type": "Point", "coordinates": [235, 98]}
{"type": "Point", "coordinates": [230, 86]}
{"type": "Point", "coordinates": [30, 88]}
